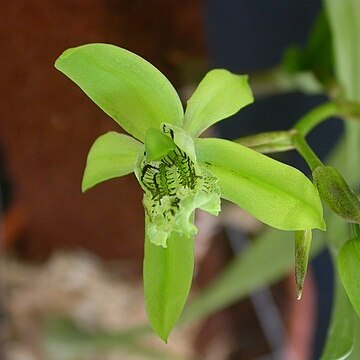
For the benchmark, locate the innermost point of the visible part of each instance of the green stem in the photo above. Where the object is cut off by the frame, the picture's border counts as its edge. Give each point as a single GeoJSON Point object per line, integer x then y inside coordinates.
{"type": "Point", "coordinates": [306, 152]}
{"type": "Point", "coordinates": [349, 109]}
{"type": "Point", "coordinates": [315, 117]}
{"type": "Point", "coordinates": [267, 142]}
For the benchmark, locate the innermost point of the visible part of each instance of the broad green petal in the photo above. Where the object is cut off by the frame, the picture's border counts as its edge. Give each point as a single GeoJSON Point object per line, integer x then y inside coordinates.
{"type": "Point", "coordinates": [124, 85]}
{"type": "Point", "coordinates": [219, 95]}
{"type": "Point", "coordinates": [273, 192]}
{"type": "Point", "coordinates": [349, 269]}
{"type": "Point", "coordinates": [265, 261]}
{"type": "Point", "coordinates": [111, 155]}
{"type": "Point", "coordinates": [167, 280]}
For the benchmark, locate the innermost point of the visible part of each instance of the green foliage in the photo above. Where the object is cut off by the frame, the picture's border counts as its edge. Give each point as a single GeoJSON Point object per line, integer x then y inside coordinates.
{"type": "Point", "coordinates": [349, 270]}
{"type": "Point", "coordinates": [264, 262]}
{"type": "Point", "coordinates": [317, 54]}
{"type": "Point", "coordinates": [340, 337]}
{"type": "Point", "coordinates": [345, 28]}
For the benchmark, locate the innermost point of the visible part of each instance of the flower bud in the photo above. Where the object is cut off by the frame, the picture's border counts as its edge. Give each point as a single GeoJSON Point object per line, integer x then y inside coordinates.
{"type": "Point", "coordinates": [302, 250]}
{"type": "Point", "coordinates": [337, 194]}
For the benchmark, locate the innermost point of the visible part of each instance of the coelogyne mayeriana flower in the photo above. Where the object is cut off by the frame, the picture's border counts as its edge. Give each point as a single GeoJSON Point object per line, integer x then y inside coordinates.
{"type": "Point", "coordinates": [178, 171]}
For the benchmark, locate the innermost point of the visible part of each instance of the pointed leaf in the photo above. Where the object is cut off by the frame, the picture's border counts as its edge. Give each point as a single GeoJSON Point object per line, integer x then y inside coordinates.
{"type": "Point", "coordinates": [263, 262]}
{"type": "Point", "coordinates": [340, 337]}
{"type": "Point", "coordinates": [124, 85]}
{"type": "Point", "coordinates": [111, 155]}
{"type": "Point", "coordinates": [273, 192]}
{"type": "Point", "coordinates": [345, 28]}
{"type": "Point", "coordinates": [167, 279]}
{"type": "Point", "coordinates": [349, 269]}
{"type": "Point", "coordinates": [219, 95]}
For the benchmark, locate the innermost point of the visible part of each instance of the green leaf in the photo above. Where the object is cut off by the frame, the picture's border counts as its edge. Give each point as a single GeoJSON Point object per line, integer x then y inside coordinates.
{"type": "Point", "coordinates": [316, 56]}
{"type": "Point", "coordinates": [265, 261]}
{"type": "Point", "coordinates": [340, 337]}
{"type": "Point", "coordinates": [275, 193]}
{"type": "Point", "coordinates": [111, 155]}
{"type": "Point", "coordinates": [345, 26]}
{"type": "Point", "coordinates": [167, 280]}
{"type": "Point", "coordinates": [349, 270]}
{"type": "Point", "coordinates": [355, 354]}
{"type": "Point", "coordinates": [64, 340]}
{"type": "Point", "coordinates": [124, 85]}
{"type": "Point", "coordinates": [219, 95]}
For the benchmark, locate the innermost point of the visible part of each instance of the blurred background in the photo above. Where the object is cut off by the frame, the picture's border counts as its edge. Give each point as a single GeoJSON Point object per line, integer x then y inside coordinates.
{"type": "Point", "coordinates": [71, 262]}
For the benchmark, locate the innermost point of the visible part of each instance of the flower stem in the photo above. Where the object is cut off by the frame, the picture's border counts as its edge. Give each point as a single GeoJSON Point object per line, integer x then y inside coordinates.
{"type": "Point", "coordinates": [305, 151]}
{"type": "Point", "coordinates": [268, 142]}
{"type": "Point", "coordinates": [315, 117]}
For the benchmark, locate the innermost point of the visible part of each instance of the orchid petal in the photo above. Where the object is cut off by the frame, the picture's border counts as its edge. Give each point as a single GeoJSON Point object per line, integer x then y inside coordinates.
{"type": "Point", "coordinates": [124, 85]}
{"type": "Point", "coordinates": [273, 192]}
{"type": "Point", "coordinates": [219, 95]}
{"type": "Point", "coordinates": [111, 155]}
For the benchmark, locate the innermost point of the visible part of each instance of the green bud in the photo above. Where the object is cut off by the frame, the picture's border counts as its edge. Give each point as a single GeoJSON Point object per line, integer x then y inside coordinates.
{"type": "Point", "coordinates": [337, 194]}
{"type": "Point", "coordinates": [302, 250]}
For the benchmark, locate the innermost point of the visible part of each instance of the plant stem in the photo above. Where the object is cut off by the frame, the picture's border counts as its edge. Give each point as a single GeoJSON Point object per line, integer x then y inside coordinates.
{"type": "Point", "coordinates": [315, 117]}
{"type": "Point", "coordinates": [267, 142]}
{"type": "Point", "coordinates": [305, 151]}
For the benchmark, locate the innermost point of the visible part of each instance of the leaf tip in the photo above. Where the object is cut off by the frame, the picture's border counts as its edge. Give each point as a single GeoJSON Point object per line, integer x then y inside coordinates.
{"type": "Point", "coordinates": [299, 293]}
{"type": "Point", "coordinates": [85, 186]}
{"type": "Point", "coordinates": [62, 57]}
{"type": "Point", "coordinates": [165, 339]}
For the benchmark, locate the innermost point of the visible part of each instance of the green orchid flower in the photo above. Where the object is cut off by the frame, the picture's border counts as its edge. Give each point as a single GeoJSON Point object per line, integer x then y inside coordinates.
{"type": "Point", "coordinates": [178, 171]}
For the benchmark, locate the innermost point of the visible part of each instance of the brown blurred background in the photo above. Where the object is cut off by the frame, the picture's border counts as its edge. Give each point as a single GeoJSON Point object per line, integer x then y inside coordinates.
{"type": "Point", "coordinates": [47, 124]}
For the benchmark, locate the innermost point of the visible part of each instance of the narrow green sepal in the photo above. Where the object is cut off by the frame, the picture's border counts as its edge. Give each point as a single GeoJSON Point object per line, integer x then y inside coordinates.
{"type": "Point", "coordinates": [302, 252]}
{"type": "Point", "coordinates": [337, 194]}
{"type": "Point", "coordinates": [157, 144]}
